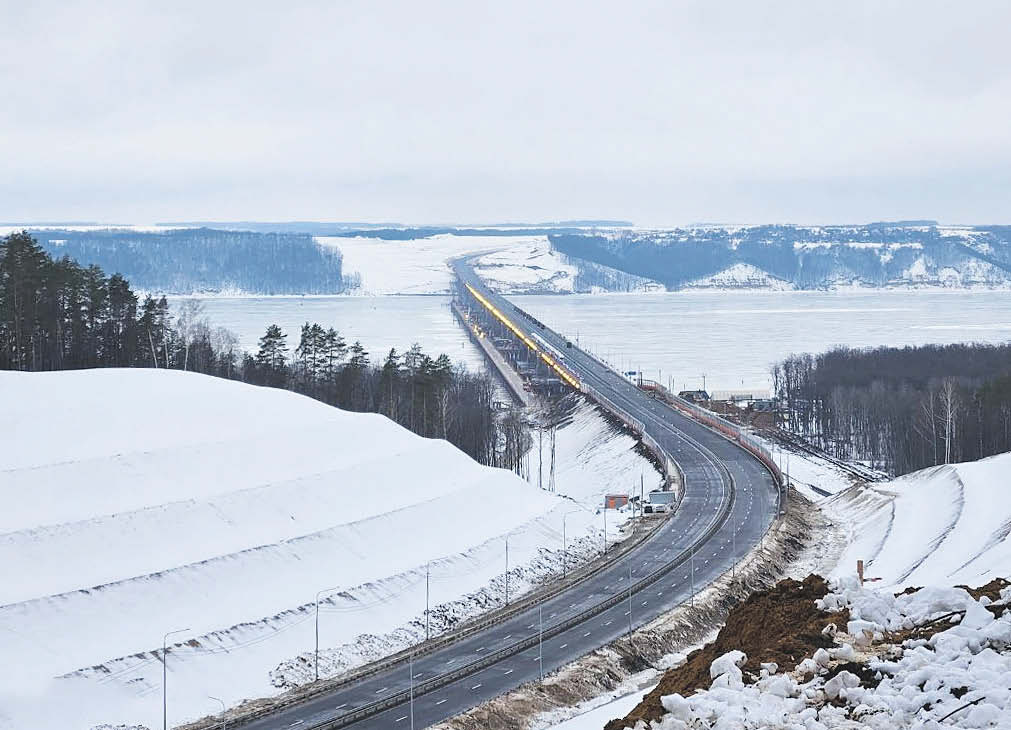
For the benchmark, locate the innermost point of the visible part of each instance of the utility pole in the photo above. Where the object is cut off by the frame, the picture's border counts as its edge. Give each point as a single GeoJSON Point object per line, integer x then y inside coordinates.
{"type": "Point", "coordinates": [605, 526]}
{"type": "Point", "coordinates": [428, 613]}
{"type": "Point", "coordinates": [410, 668]}
{"type": "Point", "coordinates": [642, 494]}
{"type": "Point", "coordinates": [164, 676]}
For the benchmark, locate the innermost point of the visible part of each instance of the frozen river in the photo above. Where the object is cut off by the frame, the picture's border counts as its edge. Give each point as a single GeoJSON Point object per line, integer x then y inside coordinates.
{"type": "Point", "coordinates": [731, 337]}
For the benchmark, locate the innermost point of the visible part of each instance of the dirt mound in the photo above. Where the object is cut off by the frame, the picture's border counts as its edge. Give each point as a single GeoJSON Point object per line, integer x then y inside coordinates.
{"type": "Point", "coordinates": [991, 590]}
{"type": "Point", "coordinates": [779, 625]}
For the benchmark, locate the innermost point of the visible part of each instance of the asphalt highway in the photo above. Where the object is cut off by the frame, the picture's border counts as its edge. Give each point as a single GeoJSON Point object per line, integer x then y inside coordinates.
{"type": "Point", "coordinates": [730, 500]}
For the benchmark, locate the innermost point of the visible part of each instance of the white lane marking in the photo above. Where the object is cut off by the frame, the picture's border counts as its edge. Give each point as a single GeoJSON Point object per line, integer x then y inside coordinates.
{"type": "Point", "coordinates": [380, 691]}
{"type": "Point", "coordinates": [563, 646]}
{"type": "Point", "coordinates": [401, 718]}
{"type": "Point", "coordinates": [480, 649]}
{"type": "Point", "coordinates": [609, 623]}
{"type": "Point", "coordinates": [508, 671]}
{"type": "Point", "coordinates": [297, 722]}
{"type": "Point", "coordinates": [476, 686]}
{"type": "Point", "coordinates": [451, 660]}
{"type": "Point", "coordinates": [508, 637]}
{"type": "Point", "coordinates": [343, 704]}
{"type": "Point", "coordinates": [644, 603]}
{"type": "Point", "coordinates": [626, 613]}
{"type": "Point", "coordinates": [586, 634]}
{"type": "Point", "coordinates": [439, 702]}
{"type": "Point", "coordinates": [530, 626]}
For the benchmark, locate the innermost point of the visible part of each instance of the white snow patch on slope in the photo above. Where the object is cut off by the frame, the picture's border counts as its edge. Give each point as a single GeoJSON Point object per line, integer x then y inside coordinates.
{"type": "Point", "coordinates": [160, 500]}
{"type": "Point", "coordinates": [511, 265]}
{"type": "Point", "coordinates": [527, 266]}
{"type": "Point", "coordinates": [185, 497]}
{"type": "Point", "coordinates": [741, 276]}
{"type": "Point", "coordinates": [940, 526]}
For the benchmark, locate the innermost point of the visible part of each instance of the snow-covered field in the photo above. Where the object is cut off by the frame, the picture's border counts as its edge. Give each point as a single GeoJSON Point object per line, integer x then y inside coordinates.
{"type": "Point", "coordinates": [510, 265]}
{"type": "Point", "coordinates": [421, 266]}
{"type": "Point", "coordinates": [138, 502]}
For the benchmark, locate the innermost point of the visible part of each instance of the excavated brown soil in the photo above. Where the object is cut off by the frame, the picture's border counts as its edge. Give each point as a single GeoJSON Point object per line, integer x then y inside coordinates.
{"type": "Point", "coordinates": [779, 625]}
{"type": "Point", "coordinates": [991, 590]}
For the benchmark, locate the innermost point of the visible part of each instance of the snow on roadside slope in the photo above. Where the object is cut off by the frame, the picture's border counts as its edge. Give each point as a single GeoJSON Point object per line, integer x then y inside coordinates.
{"type": "Point", "coordinates": [160, 500]}
{"type": "Point", "coordinates": [141, 501]}
{"type": "Point", "coordinates": [945, 525]}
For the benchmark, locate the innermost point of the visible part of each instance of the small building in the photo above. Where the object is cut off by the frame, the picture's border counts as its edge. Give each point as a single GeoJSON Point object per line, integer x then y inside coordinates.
{"type": "Point", "coordinates": [615, 501]}
{"type": "Point", "coordinates": [694, 396]}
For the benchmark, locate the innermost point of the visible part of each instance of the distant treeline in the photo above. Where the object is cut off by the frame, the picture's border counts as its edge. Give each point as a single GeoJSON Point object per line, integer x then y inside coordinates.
{"type": "Point", "coordinates": [901, 409]}
{"type": "Point", "coordinates": [203, 259]}
{"type": "Point", "coordinates": [427, 395]}
{"type": "Point", "coordinates": [58, 315]}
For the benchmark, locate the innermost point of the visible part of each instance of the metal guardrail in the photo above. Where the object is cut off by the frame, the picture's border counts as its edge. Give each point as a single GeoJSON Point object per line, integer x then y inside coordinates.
{"type": "Point", "coordinates": [466, 670]}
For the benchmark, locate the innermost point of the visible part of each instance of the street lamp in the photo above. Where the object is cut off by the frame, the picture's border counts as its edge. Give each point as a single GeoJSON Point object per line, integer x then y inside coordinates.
{"type": "Point", "coordinates": [223, 720]}
{"type": "Point", "coordinates": [565, 548]}
{"type": "Point", "coordinates": [316, 655]}
{"type": "Point", "coordinates": [164, 676]}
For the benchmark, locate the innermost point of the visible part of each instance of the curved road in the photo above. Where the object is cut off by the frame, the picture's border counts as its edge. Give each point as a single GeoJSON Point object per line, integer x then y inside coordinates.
{"type": "Point", "coordinates": [730, 500]}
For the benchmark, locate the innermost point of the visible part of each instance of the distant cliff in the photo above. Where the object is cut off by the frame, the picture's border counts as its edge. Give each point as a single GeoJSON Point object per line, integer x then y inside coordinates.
{"type": "Point", "coordinates": [803, 257]}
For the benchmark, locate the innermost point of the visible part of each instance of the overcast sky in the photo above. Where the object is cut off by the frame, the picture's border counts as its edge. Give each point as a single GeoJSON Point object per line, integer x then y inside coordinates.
{"type": "Point", "coordinates": [425, 111]}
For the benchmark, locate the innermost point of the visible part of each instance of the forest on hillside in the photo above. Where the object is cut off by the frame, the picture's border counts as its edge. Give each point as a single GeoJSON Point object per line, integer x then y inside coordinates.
{"type": "Point", "coordinates": [58, 315]}
{"type": "Point", "coordinates": [186, 261]}
{"type": "Point", "coordinates": [804, 257]}
{"type": "Point", "coordinates": [901, 409]}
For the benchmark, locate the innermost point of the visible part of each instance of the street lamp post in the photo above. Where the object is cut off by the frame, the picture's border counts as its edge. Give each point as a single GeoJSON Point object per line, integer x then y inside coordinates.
{"type": "Point", "coordinates": [507, 570]}
{"type": "Point", "coordinates": [605, 526]}
{"type": "Point", "coordinates": [164, 676]}
{"type": "Point", "coordinates": [223, 720]}
{"type": "Point", "coordinates": [540, 640]}
{"type": "Point", "coordinates": [565, 546]}
{"type": "Point", "coordinates": [315, 661]}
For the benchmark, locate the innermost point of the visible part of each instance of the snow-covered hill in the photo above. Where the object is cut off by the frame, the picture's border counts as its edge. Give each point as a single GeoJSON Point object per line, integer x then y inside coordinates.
{"type": "Point", "coordinates": [137, 502]}
{"type": "Point", "coordinates": [158, 500]}
{"type": "Point", "coordinates": [946, 525]}
{"type": "Point", "coordinates": [522, 264]}
{"type": "Point", "coordinates": [803, 257]}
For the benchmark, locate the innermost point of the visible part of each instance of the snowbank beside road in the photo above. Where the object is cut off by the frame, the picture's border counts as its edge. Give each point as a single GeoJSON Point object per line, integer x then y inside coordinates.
{"type": "Point", "coordinates": [142, 501]}
{"type": "Point", "coordinates": [945, 525]}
